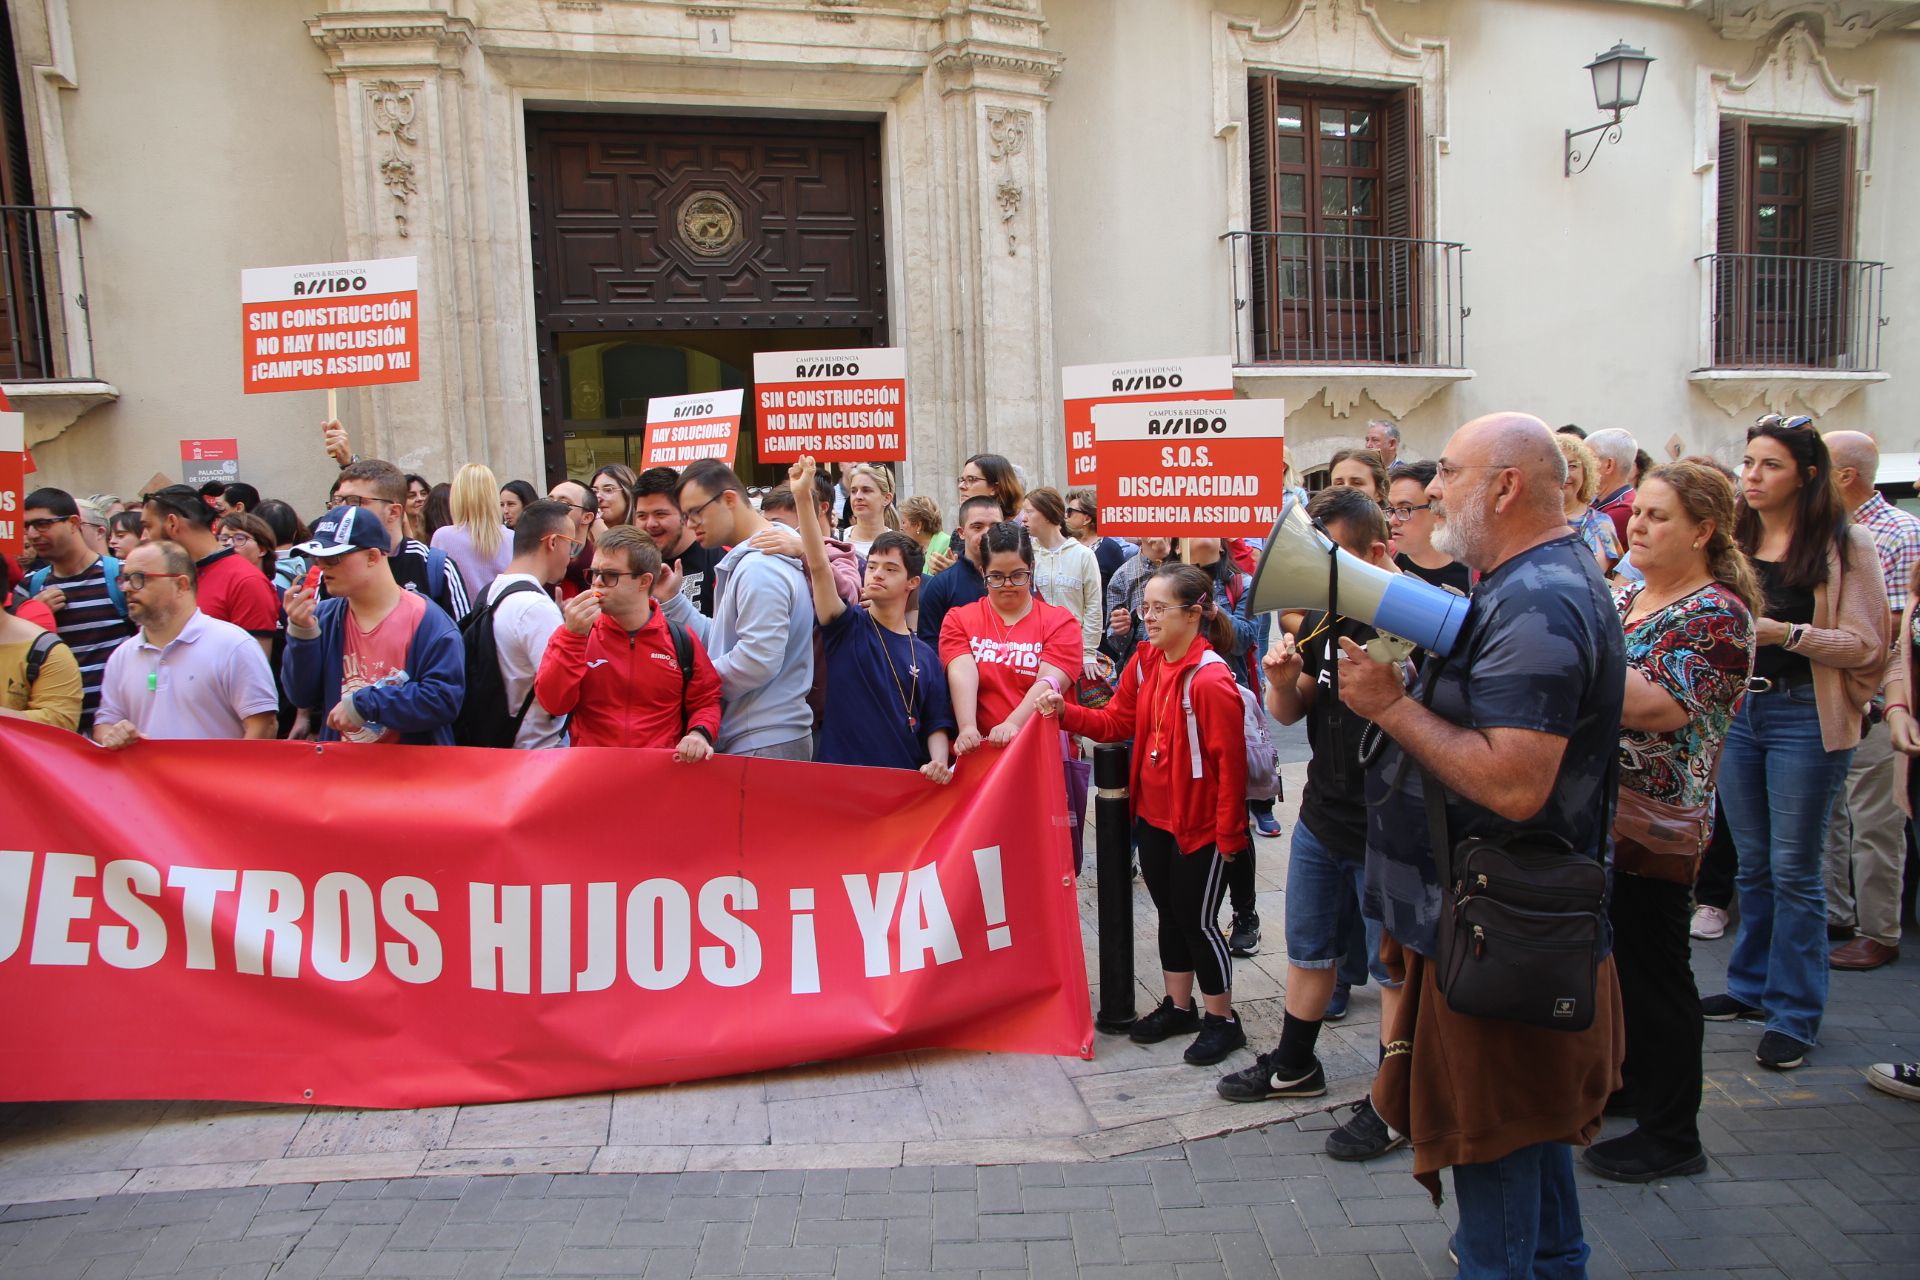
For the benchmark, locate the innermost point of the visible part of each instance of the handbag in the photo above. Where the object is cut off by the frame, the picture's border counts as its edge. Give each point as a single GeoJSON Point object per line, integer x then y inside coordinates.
{"type": "Point", "coordinates": [1660, 840]}
{"type": "Point", "coordinates": [1522, 922]}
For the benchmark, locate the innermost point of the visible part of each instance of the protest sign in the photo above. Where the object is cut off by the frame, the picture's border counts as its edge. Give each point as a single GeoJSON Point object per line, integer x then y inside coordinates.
{"type": "Point", "coordinates": [331, 324]}
{"type": "Point", "coordinates": [1082, 386]}
{"type": "Point", "coordinates": [204, 460]}
{"type": "Point", "coordinates": [847, 405]}
{"type": "Point", "coordinates": [435, 925]}
{"type": "Point", "coordinates": [1195, 469]}
{"type": "Point", "coordinates": [13, 481]}
{"type": "Point", "coordinates": [683, 429]}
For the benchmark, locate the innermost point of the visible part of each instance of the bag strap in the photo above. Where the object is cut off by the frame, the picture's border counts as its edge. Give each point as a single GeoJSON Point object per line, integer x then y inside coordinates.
{"type": "Point", "coordinates": [682, 654]}
{"type": "Point", "coordinates": [1186, 705]}
{"type": "Point", "coordinates": [37, 655]}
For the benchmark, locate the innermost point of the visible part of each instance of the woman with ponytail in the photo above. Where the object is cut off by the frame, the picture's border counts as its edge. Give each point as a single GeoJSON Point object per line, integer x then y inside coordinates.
{"type": "Point", "coordinates": [1190, 811]}
{"type": "Point", "coordinates": [1689, 638]}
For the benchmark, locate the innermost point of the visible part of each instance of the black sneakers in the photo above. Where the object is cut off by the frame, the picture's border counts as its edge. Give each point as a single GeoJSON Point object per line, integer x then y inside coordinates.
{"type": "Point", "coordinates": [1635, 1157]}
{"type": "Point", "coordinates": [1164, 1023]}
{"type": "Point", "coordinates": [1364, 1136]}
{"type": "Point", "coordinates": [1724, 1008]}
{"type": "Point", "coordinates": [1218, 1037]}
{"type": "Point", "coordinates": [1243, 937]}
{"type": "Point", "coordinates": [1265, 1081]}
{"type": "Point", "coordinates": [1779, 1051]}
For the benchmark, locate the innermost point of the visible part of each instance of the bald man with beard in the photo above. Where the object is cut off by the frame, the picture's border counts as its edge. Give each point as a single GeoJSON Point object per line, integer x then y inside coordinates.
{"type": "Point", "coordinates": [1520, 725]}
{"type": "Point", "coordinates": [1866, 832]}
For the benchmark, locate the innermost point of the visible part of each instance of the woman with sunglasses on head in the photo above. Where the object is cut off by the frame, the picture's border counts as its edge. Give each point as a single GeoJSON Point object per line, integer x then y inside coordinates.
{"type": "Point", "coordinates": [1005, 649]}
{"type": "Point", "coordinates": [1822, 644]}
{"type": "Point", "coordinates": [1178, 702]}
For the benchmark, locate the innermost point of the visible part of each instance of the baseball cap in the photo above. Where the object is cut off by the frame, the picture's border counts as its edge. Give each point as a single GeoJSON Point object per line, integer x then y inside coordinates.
{"type": "Point", "coordinates": [345, 529]}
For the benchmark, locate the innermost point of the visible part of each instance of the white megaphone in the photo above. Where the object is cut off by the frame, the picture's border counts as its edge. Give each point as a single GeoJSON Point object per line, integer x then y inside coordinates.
{"type": "Point", "coordinates": [1303, 569]}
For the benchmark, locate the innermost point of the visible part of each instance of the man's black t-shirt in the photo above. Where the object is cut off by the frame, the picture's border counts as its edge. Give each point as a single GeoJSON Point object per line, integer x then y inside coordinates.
{"type": "Point", "coordinates": [696, 564]}
{"type": "Point", "coordinates": [1334, 805]}
{"type": "Point", "coordinates": [1541, 649]}
{"type": "Point", "coordinates": [1451, 574]}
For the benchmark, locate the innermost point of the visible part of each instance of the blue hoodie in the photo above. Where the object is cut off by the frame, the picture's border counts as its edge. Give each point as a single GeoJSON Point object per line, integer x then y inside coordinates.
{"type": "Point", "coordinates": [761, 641]}
{"type": "Point", "coordinates": [422, 709]}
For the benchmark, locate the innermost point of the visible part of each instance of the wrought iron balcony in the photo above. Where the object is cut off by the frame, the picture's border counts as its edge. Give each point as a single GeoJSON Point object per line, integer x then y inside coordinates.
{"type": "Point", "coordinates": [46, 330]}
{"type": "Point", "coordinates": [1772, 312]}
{"type": "Point", "coordinates": [1338, 299]}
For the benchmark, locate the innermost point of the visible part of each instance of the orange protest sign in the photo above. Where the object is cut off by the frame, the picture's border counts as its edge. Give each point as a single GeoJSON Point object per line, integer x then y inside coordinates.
{"type": "Point", "coordinates": [13, 482]}
{"type": "Point", "coordinates": [1197, 469]}
{"type": "Point", "coordinates": [832, 404]}
{"type": "Point", "coordinates": [683, 429]}
{"type": "Point", "coordinates": [332, 324]}
{"type": "Point", "coordinates": [1083, 386]}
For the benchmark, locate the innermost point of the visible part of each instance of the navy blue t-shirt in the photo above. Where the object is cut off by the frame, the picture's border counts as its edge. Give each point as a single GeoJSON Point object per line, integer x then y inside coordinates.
{"type": "Point", "coordinates": [879, 679]}
{"type": "Point", "coordinates": [1541, 649]}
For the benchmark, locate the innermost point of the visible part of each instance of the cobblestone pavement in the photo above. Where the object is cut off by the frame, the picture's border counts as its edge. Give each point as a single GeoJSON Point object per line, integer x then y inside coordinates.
{"type": "Point", "coordinates": [1813, 1174]}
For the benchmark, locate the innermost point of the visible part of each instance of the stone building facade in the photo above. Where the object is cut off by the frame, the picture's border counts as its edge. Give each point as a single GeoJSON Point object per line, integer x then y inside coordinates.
{"type": "Point", "coordinates": [1368, 203]}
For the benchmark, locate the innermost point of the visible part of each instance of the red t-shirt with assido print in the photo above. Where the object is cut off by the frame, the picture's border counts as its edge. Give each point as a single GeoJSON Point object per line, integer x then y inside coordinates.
{"type": "Point", "coordinates": [1009, 657]}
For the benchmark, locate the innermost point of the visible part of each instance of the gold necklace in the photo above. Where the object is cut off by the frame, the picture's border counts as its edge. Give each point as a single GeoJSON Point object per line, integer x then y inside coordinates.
{"type": "Point", "coordinates": [907, 703]}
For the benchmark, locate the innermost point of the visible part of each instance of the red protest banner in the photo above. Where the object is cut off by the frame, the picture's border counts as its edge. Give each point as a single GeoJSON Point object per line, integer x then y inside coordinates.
{"type": "Point", "coordinates": [683, 429]}
{"type": "Point", "coordinates": [848, 405]}
{"type": "Point", "coordinates": [204, 460]}
{"type": "Point", "coordinates": [427, 926]}
{"type": "Point", "coordinates": [1083, 386]}
{"type": "Point", "coordinates": [1203, 469]}
{"type": "Point", "coordinates": [331, 324]}
{"type": "Point", "coordinates": [13, 481]}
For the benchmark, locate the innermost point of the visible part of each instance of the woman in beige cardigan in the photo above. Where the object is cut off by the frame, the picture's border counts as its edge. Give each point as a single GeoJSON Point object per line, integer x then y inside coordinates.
{"type": "Point", "coordinates": [1822, 647]}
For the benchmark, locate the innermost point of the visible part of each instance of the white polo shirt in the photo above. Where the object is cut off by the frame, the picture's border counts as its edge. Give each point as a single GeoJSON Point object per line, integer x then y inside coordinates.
{"type": "Point", "coordinates": [203, 683]}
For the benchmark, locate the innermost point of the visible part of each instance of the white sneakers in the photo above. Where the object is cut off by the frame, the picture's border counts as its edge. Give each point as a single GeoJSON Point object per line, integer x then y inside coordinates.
{"type": "Point", "coordinates": [1901, 1079]}
{"type": "Point", "coordinates": [1708, 923]}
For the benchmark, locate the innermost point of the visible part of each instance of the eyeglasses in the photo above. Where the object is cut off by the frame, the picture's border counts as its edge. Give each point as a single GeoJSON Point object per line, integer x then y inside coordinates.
{"type": "Point", "coordinates": [354, 500]}
{"type": "Point", "coordinates": [1154, 610]}
{"type": "Point", "coordinates": [609, 577]}
{"type": "Point", "coordinates": [966, 481]}
{"type": "Point", "coordinates": [1018, 578]}
{"type": "Point", "coordinates": [693, 513]}
{"type": "Point", "coordinates": [588, 507]}
{"type": "Point", "coordinates": [1448, 470]}
{"type": "Point", "coordinates": [44, 523]}
{"type": "Point", "coordinates": [134, 580]}
{"type": "Point", "coordinates": [1080, 511]}
{"type": "Point", "coordinates": [573, 544]}
{"type": "Point", "coordinates": [234, 539]}
{"type": "Point", "coordinates": [1407, 513]}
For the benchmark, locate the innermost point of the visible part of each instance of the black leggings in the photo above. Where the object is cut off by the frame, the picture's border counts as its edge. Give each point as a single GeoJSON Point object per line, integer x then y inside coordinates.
{"type": "Point", "coordinates": [1661, 1007]}
{"type": "Point", "coordinates": [1713, 887]}
{"type": "Point", "coordinates": [1187, 888]}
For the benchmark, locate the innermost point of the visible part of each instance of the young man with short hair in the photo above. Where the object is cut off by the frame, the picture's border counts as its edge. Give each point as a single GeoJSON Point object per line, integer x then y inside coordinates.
{"type": "Point", "coordinates": [77, 585]}
{"type": "Point", "coordinates": [381, 489]}
{"type": "Point", "coordinates": [379, 662]}
{"type": "Point", "coordinates": [614, 664]}
{"type": "Point", "coordinates": [656, 513]}
{"type": "Point", "coordinates": [889, 690]}
{"type": "Point", "coordinates": [525, 616]}
{"type": "Point", "coordinates": [960, 582]}
{"type": "Point", "coordinates": [186, 674]}
{"type": "Point", "coordinates": [761, 634]}
{"type": "Point", "coordinates": [229, 589]}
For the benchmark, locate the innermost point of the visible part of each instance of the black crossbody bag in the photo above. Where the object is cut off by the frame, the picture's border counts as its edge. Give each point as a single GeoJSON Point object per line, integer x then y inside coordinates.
{"type": "Point", "coordinates": [1521, 923]}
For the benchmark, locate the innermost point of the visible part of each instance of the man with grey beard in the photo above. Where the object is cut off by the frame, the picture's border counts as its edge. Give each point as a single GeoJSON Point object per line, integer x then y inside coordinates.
{"type": "Point", "coordinates": [1520, 725]}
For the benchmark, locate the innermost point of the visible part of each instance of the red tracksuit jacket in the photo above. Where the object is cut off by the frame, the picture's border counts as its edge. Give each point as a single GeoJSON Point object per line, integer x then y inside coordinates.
{"type": "Point", "coordinates": [1210, 809]}
{"type": "Point", "coordinates": [624, 690]}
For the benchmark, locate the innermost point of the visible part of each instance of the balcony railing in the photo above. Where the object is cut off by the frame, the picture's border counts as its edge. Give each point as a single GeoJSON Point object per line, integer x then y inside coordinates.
{"type": "Point", "coordinates": [46, 332]}
{"type": "Point", "coordinates": [1337, 299]}
{"type": "Point", "coordinates": [1773, 312]}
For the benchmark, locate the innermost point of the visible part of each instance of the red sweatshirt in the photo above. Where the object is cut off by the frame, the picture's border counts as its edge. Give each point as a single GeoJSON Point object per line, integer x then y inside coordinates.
{"type": "Point", "coordinates": [1210, 809]}
{"type": "Point", "coordinates": [624, 690]}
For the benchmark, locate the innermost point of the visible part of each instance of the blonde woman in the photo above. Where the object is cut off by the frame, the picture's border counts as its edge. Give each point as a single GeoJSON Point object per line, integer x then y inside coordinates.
{"type": "Point", "coordinates": [1583, 480]}
{"type": "Point", "coordinates": [870, 498]}
{"type": "Point", "coordinates": [476, 540]}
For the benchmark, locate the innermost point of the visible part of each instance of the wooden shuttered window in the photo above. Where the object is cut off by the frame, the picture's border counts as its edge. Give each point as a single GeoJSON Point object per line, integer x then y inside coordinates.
{"type": "Point", "coordinates": [22, 320]}
{"type": "Point", "coordinates": [1335, 209]}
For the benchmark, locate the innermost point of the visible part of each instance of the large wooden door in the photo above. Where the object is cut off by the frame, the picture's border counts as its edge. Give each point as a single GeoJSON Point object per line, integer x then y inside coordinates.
{"type": "Point", "coordinates": [687, 231]}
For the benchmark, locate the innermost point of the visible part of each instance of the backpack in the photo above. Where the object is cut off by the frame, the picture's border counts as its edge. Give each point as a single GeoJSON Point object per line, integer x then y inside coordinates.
{"type": "Point", "coordinates": [37, 582]}
{"type": "Point", "coordinates": [682, 656]}
{"type": "Point", "coordinates": [1263, 760]}
{"type": "Point", "coordinates": [484, 720]}
{"type": "Point", "coordinates": [37, 656]}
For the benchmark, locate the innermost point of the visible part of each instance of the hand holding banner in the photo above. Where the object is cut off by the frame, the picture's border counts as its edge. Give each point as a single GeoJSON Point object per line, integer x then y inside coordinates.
{"type": "Point", "coordinates": [1198, 469]}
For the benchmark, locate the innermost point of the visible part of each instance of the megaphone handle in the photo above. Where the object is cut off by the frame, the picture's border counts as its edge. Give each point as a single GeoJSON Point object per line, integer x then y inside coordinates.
{"type": "Point", "coordinates": [1333, 612]}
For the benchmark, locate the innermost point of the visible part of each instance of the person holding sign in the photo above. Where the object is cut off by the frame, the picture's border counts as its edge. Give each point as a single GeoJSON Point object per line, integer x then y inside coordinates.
{"type": "Point", "coordinates": [1179, 704]}
{"type": "Point", "coordinates": [1002, 651]}
{"type": "Point", "coordinates": [889, 693]}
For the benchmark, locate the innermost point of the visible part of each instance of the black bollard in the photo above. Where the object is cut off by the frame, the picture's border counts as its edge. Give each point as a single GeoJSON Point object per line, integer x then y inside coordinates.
{"type": "Point", "coordinates": [1113, 854]}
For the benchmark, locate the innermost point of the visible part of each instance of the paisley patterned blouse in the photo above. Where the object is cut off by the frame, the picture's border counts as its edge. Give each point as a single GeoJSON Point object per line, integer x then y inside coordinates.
{"type": "Point", "coordinates": [1699, 651]}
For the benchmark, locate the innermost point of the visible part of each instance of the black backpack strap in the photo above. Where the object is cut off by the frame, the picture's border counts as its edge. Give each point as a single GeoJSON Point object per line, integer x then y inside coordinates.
{"type": "Point", "coordinates": [37, 655]}
{"type": "Point", "coordinates": [493, 607]}
{"type": "Point", "coordinates": [682, 654]}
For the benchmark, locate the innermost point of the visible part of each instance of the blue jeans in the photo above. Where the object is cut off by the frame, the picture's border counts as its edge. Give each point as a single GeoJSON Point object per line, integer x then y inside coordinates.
{"type": "Point", "coordinates": [1777, 785]}
{"type": "Point", "coordinates": [1323, 910]}
{"type": "Point", "coordinates": [1520, 1217]}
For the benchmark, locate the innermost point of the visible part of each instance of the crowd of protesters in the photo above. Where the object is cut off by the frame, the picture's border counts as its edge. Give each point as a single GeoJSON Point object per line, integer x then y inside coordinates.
{"type": "Point", "coordinates": [1726, 654]}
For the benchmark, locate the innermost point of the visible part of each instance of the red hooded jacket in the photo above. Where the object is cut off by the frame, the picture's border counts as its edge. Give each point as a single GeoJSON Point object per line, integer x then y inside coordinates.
{"type": "Point", "coordinates": [625, 690]}
{"type": "Point", "coordinates": [1209, 809]}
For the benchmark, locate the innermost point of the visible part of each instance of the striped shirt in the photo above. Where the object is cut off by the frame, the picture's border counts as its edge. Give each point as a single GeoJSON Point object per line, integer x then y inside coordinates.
{"type": "Point", "coordinates": [92, 628]}
{"type": "Point", "coordinates": [1896, 535]}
